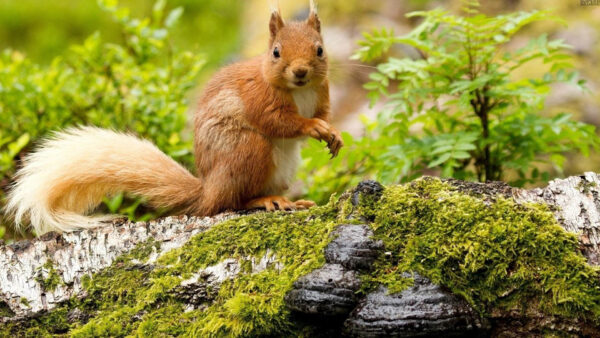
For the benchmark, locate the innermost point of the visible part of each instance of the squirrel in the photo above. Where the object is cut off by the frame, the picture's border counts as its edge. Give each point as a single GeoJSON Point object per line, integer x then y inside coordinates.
{"type": "Point", "coordinates": [248, 128]}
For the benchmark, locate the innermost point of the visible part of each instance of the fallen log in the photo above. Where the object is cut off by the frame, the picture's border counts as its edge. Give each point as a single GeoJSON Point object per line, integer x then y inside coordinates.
{"type": "Point", "coordinates": [343, 268]}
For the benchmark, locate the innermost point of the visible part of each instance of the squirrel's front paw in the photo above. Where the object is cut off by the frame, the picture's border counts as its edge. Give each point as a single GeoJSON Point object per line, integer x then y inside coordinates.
{"type": "Point", "coordinates": [321, 130]}
{"type": "Point", "coordinates": [318, 129]}
{"type": "Point", "coordinates": [336, 142]}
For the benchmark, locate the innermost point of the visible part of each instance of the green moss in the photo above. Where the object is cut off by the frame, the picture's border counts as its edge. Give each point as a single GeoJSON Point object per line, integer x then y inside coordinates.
{"type": "Point", "coordinates": [496, 254]}
{"type": "Point", "coordinates": [129, 299]}
{"type": "Point", "coordinates": [169, 320]}
{"type": "Point", "coordinates": [5, 310]}
{"type": "Point", "coordinates": [47, 276]}
{"type": "Point", "coordinates": [24, 301]}
{"type": "Point", "coordinates": [50, 324]}
{"type": "Point", "coordinates": [55, 322]}
{"type": "Point", "coordinates": [141, 252]}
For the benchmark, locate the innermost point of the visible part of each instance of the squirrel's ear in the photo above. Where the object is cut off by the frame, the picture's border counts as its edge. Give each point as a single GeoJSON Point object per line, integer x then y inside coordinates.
{"type": "Point", "coordinates": [313, 18]}
{"type": "Point", "coordinates": [276, 23]}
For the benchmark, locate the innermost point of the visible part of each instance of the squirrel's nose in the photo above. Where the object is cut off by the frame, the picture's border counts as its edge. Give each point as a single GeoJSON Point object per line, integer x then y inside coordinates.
{"type": "Point", "coordinates": [300, 72]}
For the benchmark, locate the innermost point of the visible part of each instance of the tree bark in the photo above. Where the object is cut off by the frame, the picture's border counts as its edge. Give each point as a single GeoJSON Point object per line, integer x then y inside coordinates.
{"type": "Point", "coordinates": [23, 292]}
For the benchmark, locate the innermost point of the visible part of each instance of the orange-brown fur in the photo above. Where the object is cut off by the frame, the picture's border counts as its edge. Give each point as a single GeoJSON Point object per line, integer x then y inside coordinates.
{"type": "Point", "coordinates": [234, 176]}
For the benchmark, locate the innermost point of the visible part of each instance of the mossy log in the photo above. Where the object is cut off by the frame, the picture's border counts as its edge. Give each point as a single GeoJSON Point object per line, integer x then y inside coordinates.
{"type": "Point", "coordinates": [427, 258]}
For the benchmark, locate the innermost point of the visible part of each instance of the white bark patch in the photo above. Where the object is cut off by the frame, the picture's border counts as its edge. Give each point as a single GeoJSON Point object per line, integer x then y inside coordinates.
{"type": "Point", "coordinates": [230, 268]}
{"type": "Point", "coordinates": [80, 253]}
{"type": "Point", "coordinates": [577, 203]}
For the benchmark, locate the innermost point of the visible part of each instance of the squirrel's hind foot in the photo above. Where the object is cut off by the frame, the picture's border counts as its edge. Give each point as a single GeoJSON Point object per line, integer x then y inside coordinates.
{"type": "Point", "coordinates": [304, 204]}
{"type": "Point", "coordinates": [272, 203]}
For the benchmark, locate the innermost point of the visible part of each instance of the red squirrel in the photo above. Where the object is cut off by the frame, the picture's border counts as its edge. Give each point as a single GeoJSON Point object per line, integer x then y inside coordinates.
{"type": "Point", "coordinates": [249, 125]}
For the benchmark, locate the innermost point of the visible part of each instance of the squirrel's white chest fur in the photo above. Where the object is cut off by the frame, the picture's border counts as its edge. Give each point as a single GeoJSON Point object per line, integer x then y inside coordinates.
{"type": "Point", "coordinates": [286, 152]}
{"type": "Point", "coordinates": [306, 101]}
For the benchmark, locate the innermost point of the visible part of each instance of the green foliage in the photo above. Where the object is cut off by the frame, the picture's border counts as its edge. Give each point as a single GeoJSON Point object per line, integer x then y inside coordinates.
{"type": "Point", "coordinates": [131, 206]}
{"type": "Point", "coordinates": [44, 29]}
{"type": "Point", "coordinates": [495, 253]}
{"type": "Point", "coordinates": [461, 109]}
{"type": "Point", "coordinates": [138, 86]}
{"type": "Point", "coordinates": [323, 175]}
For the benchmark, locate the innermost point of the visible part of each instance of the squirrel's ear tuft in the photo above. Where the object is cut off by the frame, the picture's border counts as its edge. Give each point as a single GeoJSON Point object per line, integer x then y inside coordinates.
{"type": "Point", "coordinates": [276, 23]}
{"type": "Point", "coordinates": [313, 6]}
{"type": "Point", "coordinates": [313, 18]}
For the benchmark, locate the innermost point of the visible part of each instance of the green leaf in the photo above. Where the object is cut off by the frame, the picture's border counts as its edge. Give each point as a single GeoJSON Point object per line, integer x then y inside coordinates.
{"type": "Point", "coordinates": [114, 203]}
{"type": "Point", "coordinates": [173, 17]}
{"type": "Point", "coordinates": [15, 147]}
{"type": "Point", "coordinates": [461, 155]}
{"type": "Point", "coordinates": [465, 146]}
{"type": "Point", "coordinates": [157, 11]}
{"type": "Point", "coordinates": [443, 158]}
{"type": "Point", "coordinates": [159, 6]}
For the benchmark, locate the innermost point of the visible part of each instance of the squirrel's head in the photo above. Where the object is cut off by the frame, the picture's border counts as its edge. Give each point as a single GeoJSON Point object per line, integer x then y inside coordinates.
{"type": "Point", "coordinates": [296, 56]}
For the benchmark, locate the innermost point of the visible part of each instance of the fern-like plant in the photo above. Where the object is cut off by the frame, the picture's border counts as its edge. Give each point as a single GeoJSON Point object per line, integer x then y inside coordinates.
{"type": "Point", "coordinates": [460, 109]}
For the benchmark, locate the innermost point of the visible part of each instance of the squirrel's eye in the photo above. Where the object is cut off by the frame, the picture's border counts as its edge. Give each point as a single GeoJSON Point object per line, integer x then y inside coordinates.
{"type": "Point", "coordinates": [320, 51]}
{"type": "Point", "coordinates": [276, 52]}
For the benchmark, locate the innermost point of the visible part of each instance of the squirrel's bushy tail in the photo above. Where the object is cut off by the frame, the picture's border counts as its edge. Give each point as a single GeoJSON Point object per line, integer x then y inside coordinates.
{"type": "Point", "coordinates": [70, 173]}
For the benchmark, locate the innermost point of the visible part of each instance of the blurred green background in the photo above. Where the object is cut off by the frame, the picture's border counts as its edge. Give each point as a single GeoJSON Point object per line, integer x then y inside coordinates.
{"type": "Point", "coordinates": [45, 29]}
{"type": "Point", "coordinates": [46, 83]}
